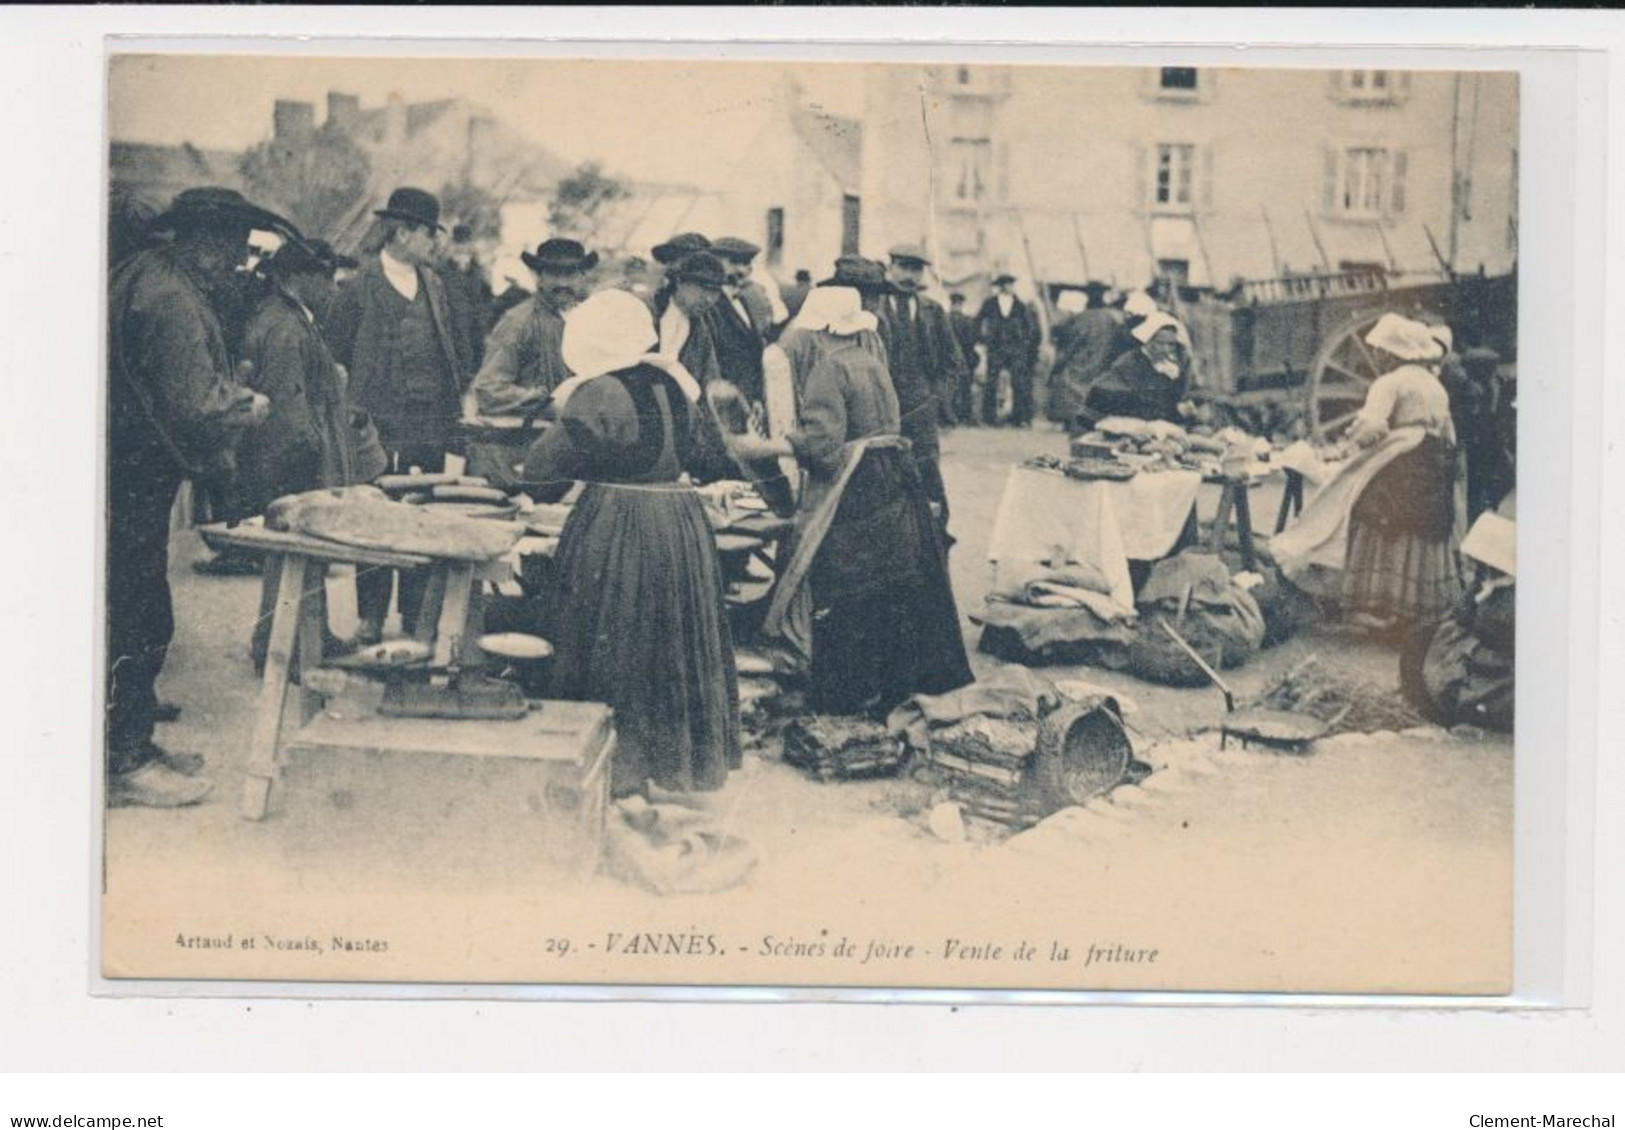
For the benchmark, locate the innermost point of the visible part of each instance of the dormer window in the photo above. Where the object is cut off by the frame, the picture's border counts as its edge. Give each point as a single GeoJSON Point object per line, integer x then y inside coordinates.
{"type": "Point", "coordinates": [1178, 79]}
{"type": "Point", "coordinates": [1372, 86]}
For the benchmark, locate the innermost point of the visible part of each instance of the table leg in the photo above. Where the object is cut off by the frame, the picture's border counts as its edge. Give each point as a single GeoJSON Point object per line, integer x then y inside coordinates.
{"type": "Point", "coordinates": [452, 629]}
{"type": "Point", "coordinates": [434, 599]}
{"type": "Point", "coordinates": [1227, 500]}
{"type": "Point", "coordinates": [1244, 528]}
{"type": "Point", "coordinates": [262, 749]}
{"type": "Point", "coordinates": [308, 645]}
{"type": "Point", "coordinates": [1291, 500]}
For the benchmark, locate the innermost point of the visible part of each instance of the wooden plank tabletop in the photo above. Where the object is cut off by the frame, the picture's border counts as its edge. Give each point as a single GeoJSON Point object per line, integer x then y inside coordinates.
{"type": "Point", "coordinates": [252, 534]}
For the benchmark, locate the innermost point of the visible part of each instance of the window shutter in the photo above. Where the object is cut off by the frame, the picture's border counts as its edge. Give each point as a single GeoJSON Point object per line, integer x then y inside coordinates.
{"type": "Point", "coordinates": [1335, 81]}
{"type": "Point", "coordinates": [1400, 83]}
{"type": "Point", "coordinates": [1328, 183]}
{"type": "Point", "coordinates": [1146, 176]}
{"type": "Point", "coordinates": [1204, 190]}
{"type": "Point", "coordinates": [1396, 189]}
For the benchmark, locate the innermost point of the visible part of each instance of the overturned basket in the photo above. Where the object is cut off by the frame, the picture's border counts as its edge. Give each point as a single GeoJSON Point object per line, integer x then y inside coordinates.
{"type": "Point", "coordinates": [1017, 772]}
{"type": "Point", "coordinates": [1082, 752]}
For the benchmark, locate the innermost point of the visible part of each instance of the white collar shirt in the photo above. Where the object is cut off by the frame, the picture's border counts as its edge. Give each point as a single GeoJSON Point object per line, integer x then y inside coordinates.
{"type": "Point", "coordinates": [402, 276]}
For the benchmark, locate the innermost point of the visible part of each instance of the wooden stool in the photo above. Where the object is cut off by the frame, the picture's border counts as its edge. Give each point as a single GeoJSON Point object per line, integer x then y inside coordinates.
{"type": "Point", "coordinates": [1291, 499]}
{"type": "Point", "coordinates": [1233, 501]}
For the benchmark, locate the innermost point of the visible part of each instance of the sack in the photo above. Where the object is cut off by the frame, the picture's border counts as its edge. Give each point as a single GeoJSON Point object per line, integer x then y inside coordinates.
{"type": "Point", "coordinates": [1217, 618]}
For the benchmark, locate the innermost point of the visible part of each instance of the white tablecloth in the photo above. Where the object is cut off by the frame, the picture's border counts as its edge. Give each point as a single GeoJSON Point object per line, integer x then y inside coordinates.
{"type": "Point", "coordinates": [1100, 523]}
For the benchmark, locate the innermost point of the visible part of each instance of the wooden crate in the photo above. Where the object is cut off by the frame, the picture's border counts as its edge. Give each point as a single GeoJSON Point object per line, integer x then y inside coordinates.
{"type": "Point", "coordinates": [434, 799]}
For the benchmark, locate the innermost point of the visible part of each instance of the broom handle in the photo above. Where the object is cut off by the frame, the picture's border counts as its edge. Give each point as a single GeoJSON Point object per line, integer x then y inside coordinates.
{"type": "Point", "coordinates": [1229, 697]}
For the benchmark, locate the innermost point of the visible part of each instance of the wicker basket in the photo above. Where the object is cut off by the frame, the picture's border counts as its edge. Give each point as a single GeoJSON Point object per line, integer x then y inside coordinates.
{"type": "Point", "coordinates": [1081, 753]}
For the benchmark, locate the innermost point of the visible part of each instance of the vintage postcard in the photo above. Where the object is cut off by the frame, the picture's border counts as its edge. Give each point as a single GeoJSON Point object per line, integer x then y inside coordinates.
{"type": "Point", "coordinates": [969, 526]}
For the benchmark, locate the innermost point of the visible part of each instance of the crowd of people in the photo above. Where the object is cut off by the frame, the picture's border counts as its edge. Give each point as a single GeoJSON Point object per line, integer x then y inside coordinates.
{"type": "Point", "coordinates": [300, 368]}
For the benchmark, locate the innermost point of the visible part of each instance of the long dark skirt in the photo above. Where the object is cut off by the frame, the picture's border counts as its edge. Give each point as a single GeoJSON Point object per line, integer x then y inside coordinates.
{"type": "Point", "coordinates": [885, 625]}
{"type": "Point", "coordinates": [639, 622]}
{"type": "Point", "coordinates": [1401, 563]}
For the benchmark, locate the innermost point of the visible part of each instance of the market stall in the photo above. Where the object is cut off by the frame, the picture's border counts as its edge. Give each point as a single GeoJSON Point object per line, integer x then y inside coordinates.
{"type": "Point", "coordinates": [1068, 531]}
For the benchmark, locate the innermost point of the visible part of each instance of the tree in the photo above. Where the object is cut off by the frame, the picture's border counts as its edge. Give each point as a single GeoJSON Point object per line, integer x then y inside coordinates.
{"type": "Point", "coordinates": [315, 181]}
{"type": "Point", "coordinates": [466, 203]}
{"type": "Point", "coordinates": [579, 201]}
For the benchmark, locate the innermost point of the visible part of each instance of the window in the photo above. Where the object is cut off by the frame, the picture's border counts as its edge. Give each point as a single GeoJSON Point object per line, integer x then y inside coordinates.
{"type": "Point", "coordinates": [972, 168]}
{"type": "Point", "coordinates": [964, 76]}
{"type": "Point", "coordinates": [1178, 78]}
{"type": "Point", "coordinates": [851, 218]}
{"type": "Point", "coordinates": [1365, 182]}
{"type": "Point", "coordinates": [1174, 272]}
{"type": "Point", "coordinates": [1172, 188]}
{"type": "Point", "coordinates": [775, 236]}
{"type": "Point", "coordinates": [1372, 86]}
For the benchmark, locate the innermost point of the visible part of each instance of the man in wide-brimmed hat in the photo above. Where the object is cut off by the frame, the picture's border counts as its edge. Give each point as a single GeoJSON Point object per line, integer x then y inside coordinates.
{"type": "Point", "coordinates": [524, 361]}
{"type": "Point", "coordinates": [307, 442]}
{"type": "Point", "coordinates": [1009, 329]}
{"type": "Point", "coordinates": [692, 286]}
{"type": "Point", "coordinates": [924, 360]}
{"type": "Point", "coordinates": [468, 292]}
{"type": "Point", "coordinates": [392, 329]}
{"type": "Point", "coordinates": [176, 410]}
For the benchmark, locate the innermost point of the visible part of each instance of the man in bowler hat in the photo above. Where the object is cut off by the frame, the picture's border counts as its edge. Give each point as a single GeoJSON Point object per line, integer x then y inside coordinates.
{"type": "Point", "coordinates": [1009, 329]}
{"type": "Point", "coordinates": [391, 327]}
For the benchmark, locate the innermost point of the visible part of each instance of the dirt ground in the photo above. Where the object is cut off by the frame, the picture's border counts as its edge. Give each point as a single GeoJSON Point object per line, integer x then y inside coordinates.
{"type": "Point", "coordinates": [1377, 862]}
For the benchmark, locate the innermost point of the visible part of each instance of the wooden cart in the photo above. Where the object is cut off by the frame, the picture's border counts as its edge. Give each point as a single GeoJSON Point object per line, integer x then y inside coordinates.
{"type": "Point", "coordinates": [1307, 332]}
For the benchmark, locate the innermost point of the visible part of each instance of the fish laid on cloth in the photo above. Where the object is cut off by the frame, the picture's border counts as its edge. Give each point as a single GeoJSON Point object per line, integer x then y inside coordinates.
{"type": "Point", "coordinates": [370, 521]}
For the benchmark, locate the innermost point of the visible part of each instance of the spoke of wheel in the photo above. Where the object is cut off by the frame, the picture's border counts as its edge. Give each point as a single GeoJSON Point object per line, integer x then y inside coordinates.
{"type": "Point", "coordinates": [1338, 421]}
{"type": "Point", "coordinates": [1370, 359]}
{"type": "Point", "coordinates": [1349, 373]}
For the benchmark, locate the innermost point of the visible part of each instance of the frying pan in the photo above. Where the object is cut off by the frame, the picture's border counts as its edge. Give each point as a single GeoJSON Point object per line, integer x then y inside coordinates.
{"type": "Point", "coordinates": [1278, 729]}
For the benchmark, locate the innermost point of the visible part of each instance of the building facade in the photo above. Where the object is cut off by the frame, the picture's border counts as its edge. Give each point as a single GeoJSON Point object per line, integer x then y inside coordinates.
{"type": "Point", "coordinates": [1208, 176]}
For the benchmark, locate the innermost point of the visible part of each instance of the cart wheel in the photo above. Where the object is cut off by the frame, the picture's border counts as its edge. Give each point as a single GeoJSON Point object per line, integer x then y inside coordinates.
{"type": "Point", "coordinates": [1341, 374]}
{"type": "Point", "coordinates": [1343, 369]}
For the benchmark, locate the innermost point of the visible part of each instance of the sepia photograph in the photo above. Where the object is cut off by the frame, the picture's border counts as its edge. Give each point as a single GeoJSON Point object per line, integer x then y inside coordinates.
{"type": "Point", "coordinates": [809, 525]}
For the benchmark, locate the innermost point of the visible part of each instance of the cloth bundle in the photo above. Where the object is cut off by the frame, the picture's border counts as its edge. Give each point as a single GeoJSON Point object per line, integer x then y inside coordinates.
{"type": "Point", "coordinates": [671, 849]}
{"type": "Point", "coordinates": [1071, 586]}
{"type": "Point", "coordinates": [842, 748]}
{"type": "Point", "coordinates": [985, 741]}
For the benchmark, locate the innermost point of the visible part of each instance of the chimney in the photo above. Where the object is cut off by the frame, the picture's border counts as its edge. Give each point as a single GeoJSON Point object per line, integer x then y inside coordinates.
{"type": "Point", "coordinates": [343, 111]}
{"type": "Point", "coordinates": [293, 121]}
{"type": "Point", "coordinates": [395, 122]}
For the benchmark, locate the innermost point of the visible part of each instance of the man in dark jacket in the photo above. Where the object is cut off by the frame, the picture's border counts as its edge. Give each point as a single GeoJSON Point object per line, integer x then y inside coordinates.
{"type": "Point", "coordinates": [305, 442]}
{"type": "Point", "coordinates": [964, 327]}
{"type": "Point", "coordinates": [925, 364]}
{"type": "Point", "coordinates": [391, 328]}
{"type": "Point", "coordinates": [175, 410]}
{"type": "Point", "coordinates": [468, 294]}
{"type": "Point", "coordinates": [739, 332]}
{"type": "Point", "coordinates": [1009, 329]}
{"type": "Point", "coordinates": [524, 360]}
